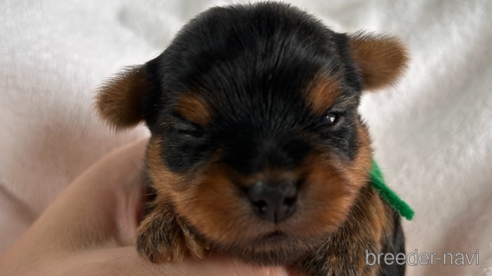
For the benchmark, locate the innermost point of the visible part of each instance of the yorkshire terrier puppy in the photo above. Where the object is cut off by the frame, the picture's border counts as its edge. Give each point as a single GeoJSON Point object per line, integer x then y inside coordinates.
{"type": "Point", "coordinates": [257, 150]}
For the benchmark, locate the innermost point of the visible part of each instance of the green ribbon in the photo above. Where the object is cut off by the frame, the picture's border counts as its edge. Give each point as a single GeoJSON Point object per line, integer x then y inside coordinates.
{"type": "Point", "coordinates": [377, 181]}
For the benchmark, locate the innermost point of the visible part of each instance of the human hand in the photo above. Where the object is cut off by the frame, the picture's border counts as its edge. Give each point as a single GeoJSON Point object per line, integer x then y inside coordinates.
{"type": "Point", "coordinates": [90, 229]}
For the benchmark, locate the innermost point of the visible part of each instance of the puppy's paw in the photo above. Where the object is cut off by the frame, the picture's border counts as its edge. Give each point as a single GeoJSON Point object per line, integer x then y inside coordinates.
{"type": "Point", "coordinates": [162, 236]}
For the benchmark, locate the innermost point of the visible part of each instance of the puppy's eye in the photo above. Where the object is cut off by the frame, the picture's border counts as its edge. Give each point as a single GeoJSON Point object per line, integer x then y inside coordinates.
{"type": "Point", "coordinates": [330, 119]}
{"type": "Point", "coordinates": [191, 133]}
{"type": "Point", "coordinates": [188, 130]}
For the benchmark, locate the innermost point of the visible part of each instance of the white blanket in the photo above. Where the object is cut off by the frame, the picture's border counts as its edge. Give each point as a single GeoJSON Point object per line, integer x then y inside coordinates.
{"type": "Point", "coordinates": [432, 133]}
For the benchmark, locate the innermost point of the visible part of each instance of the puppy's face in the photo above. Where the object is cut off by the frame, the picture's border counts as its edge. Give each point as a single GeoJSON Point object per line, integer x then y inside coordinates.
{"type": "Point", "coordinates": [256, 138]}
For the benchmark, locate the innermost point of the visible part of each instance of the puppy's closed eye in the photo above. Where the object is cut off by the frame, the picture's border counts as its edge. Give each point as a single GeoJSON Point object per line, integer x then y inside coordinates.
{"type": "Point", "coordinates": [187, 129]}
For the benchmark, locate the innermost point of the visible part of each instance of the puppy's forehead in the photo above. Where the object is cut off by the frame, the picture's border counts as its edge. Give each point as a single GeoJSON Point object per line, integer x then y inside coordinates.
{"type": "Point", "coordinates": [262, 58]}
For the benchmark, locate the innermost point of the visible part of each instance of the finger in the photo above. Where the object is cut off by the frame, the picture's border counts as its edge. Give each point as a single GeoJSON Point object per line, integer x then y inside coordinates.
{"type": "Point", "coordinates": [101, 205]}
{"type": "Point", "coordinates": [97, 209]}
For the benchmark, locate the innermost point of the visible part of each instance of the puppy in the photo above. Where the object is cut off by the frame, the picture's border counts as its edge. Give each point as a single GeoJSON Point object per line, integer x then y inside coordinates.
{"type": "Point", "coordinates": [257, 150]}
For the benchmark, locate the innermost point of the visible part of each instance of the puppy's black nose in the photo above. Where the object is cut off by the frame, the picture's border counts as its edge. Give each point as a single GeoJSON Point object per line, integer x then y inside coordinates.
{"type": "Point", "coordinates": [273, 202]}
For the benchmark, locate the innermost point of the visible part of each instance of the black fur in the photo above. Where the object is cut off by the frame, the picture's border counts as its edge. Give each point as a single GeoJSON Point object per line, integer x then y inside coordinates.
{"type": "Point", "coordinates": [394, 245]}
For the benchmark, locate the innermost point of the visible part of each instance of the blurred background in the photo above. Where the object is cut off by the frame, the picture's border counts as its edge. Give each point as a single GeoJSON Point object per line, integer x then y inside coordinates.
{"type": "Point", "coordinates": [432, 133]}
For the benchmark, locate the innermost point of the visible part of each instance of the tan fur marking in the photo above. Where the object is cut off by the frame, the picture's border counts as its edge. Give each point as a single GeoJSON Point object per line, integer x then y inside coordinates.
{"type": "Point", "coordinates": [164, 235]}
{"type": "Point", "coordinates": [119, 101]}
{"type": "Point", "coordinates": [381, 59]}
{"type": "Point", "coordinates": [359, 170]}
{"type": "Point", "coordinates": [194, 109]}
{"type": "Point", "coordinates": [322, 92]}
{"type": "Point", "coordinates": [343, 252]}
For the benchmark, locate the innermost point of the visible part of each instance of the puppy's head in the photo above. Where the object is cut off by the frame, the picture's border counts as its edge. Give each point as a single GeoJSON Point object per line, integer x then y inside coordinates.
{"type": "Point", "coordinates": [256, 138]}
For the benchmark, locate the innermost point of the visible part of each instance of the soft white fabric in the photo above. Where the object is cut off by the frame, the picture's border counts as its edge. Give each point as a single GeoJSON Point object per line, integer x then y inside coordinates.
{"type": "Point", "coordinates": [432, 132]}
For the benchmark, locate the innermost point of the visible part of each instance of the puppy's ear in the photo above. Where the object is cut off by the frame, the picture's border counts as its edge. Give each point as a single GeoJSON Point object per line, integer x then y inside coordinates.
{"type": "Point", "coordinates": [120, 101]}
{"type": "Point", "coordinates": [380, 59]}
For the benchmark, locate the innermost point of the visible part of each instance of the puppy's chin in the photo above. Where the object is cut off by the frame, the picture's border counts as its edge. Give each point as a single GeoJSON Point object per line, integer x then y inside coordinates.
{"type": "Point", "coordinates": [272, 249]}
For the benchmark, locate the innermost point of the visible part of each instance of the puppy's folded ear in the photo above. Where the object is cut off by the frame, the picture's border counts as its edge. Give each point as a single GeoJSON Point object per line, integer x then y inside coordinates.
{"type": "Point", "coordinates": [380, 59]}
{"type": "Point", "coordinates": [120, 101]}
